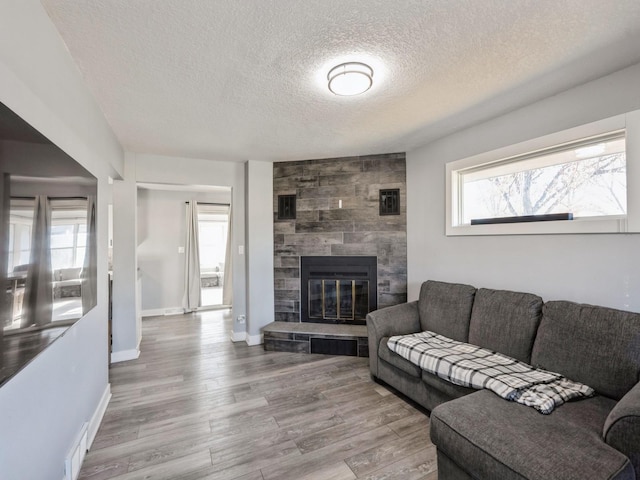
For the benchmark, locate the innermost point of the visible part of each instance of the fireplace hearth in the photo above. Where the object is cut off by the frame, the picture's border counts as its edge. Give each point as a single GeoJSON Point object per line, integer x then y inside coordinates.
{"type": "Point", "coordinates": [337, 289]}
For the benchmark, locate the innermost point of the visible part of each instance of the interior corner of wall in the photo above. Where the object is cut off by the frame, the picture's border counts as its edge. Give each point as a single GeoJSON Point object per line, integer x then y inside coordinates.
{"type": "Point", "coordinates": [253, 340]}
{"type": "Point", "coordinates": [125, 355]}
{"type": "Point", "coordinates": [238, 336]}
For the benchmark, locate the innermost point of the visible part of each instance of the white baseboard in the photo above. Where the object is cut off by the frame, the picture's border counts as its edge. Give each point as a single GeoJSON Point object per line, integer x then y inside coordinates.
{"type": "Point", "coordinates": [255, 339]}
{"type": "Point", "coordinates": [209, 308]}
{"type": "Point", "coordinates": [251, 340]}
{"type": "Point", "coordinates": [96, 418]}
{"type": "Point", "coordinates": [74, 459]}
{"type": "Point", "coordinates": [238, 336]}
{"type": "Point", "coordinates": [153, 312]}
{"type": "Point", "coordinates": [159, 312]}
{"type": "Point", "coordinates": [125, 355]}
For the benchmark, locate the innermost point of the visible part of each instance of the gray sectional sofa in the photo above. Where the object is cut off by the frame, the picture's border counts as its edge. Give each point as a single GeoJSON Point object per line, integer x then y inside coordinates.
{"type": "Point", "coordinates": [481, 436]}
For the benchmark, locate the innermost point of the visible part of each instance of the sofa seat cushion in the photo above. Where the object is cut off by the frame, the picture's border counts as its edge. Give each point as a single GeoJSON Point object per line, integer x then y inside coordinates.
{"type": "Point", "coordinates": [494, 439]}
{"type": "Point", "coordinates": [396, 360]}
{"type": "Point", "coordinates": [448, 388]}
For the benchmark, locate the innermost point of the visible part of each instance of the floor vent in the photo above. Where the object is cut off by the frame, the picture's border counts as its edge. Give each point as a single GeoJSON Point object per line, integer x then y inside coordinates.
{"type": "Point", "coordinates": [76, 455]}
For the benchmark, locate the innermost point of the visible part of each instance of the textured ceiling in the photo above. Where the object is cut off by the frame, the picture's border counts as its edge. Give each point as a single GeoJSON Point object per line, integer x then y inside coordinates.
{"type": "Point", "coordinates": [246, 79]}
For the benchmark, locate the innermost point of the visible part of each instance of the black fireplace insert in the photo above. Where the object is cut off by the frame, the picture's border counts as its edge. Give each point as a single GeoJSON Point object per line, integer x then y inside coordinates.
{"type": "Point", "coordinates": [338, 289]}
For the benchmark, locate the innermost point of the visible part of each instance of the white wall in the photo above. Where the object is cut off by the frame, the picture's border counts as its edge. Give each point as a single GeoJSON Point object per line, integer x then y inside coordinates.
{"type": "Point", "coordinates": [126, 320]}
{"type": "Point", "coordinates": [161, 230]}
{"type": "Point", "coordinates": [222, 173]}
{"type": "Point", "coordinates": [260, 288]}
{"type": "Point", "coordinates": [597, 269]}
{"type": "Point", "coordinates": [43, 407]}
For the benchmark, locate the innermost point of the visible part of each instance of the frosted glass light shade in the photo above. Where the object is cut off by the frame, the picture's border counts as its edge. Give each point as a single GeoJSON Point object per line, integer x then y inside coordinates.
{"type": "Point", "coordinates": [351, 78]}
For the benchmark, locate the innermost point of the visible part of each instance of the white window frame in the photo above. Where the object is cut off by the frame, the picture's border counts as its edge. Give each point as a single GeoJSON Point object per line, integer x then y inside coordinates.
{"type": "Point", "coordinates": [629, 223]}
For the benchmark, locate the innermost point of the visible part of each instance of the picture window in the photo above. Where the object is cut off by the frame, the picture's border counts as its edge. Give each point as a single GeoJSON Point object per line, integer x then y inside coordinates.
{"type": "Point", "coordinates": [575, 181]}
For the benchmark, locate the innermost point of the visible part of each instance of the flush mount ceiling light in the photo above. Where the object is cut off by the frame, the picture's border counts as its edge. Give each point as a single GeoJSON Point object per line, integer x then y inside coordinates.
{"type": "Point", "coordinates": [351, 78]}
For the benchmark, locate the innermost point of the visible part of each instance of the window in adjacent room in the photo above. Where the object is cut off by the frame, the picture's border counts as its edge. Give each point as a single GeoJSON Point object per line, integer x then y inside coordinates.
{"type": "Point", "coordinates": [68, 233]}
{"type": "Point", "coordinates": [20, 221]}
{"type": "Point", "coordinates": [213, 228]}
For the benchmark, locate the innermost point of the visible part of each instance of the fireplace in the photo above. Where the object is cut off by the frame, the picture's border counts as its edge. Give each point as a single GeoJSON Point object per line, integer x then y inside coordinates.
{"type": "Point", "coordinates": [338, 289]}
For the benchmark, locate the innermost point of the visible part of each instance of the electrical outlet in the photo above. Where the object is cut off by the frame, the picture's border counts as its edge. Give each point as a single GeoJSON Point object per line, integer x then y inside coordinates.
{"type": "Point", "coordinates": [242, 319]}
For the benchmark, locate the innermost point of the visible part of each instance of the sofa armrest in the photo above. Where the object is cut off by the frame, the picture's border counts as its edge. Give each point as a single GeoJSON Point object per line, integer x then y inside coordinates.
{"type": "Point", "coordinates": [396, 320]}
{"type": "Point", "coordinates": [622, 427]}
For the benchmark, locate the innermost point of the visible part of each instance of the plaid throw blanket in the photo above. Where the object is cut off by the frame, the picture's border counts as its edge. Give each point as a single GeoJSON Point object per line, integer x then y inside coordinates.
{"type": "Point", "coordinates": [476, 367]}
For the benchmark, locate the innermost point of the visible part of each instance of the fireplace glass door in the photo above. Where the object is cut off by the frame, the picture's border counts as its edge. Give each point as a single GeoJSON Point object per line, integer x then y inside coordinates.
{"type": "Point", "coordinates": [339, 300]}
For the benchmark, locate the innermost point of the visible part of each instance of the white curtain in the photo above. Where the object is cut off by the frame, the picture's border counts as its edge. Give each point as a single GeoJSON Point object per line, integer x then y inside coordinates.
{"type": "Point", "coordinates": [227, 284]}
{"type": "Point", "coordinates": [38, 292]}
{"type": "Point", "coordinates": [191, 298]}
{"type": "Point", "coordinates": [89, 269]}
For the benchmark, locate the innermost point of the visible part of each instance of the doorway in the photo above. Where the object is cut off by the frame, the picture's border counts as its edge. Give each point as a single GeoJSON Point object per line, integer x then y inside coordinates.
{"type": "Point", "coordinates": [164, 249]}
{"type": "Point", "coordinates": [213, 232]}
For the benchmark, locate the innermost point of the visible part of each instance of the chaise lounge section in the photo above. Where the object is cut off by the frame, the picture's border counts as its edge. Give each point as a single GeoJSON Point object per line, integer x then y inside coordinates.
{"type": "Point", "coordinates": [481, 436]}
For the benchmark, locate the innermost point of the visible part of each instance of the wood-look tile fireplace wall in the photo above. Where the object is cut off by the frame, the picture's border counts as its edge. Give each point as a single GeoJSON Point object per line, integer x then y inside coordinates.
{"type": "Point", "coordinates": [322, 228]}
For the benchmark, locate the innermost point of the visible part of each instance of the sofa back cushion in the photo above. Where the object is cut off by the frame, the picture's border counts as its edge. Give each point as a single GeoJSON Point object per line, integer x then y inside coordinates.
{"type": "Point", "coordinates": [505, 321]}
{"type": "Point", "coordinates": [445, 308]}
{"type": "Point", "coordinates": [597, 346]}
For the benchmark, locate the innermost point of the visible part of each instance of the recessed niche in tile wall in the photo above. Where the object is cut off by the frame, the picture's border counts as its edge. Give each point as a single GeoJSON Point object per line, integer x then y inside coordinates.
{"type": "Point", "coordinates": [286, 207]}
{"type": "Point", "coordinates": [338, 213]}
{"type": "Point", "coordinates": [390, 201]}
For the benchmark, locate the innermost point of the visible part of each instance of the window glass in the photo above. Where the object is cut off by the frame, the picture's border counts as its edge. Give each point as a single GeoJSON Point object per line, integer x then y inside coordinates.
{"type": "Point", "coordinates": [61, 258]}
{"type": "Point", "coordinates": [79, 260]}
{"type": "Point", "coordinates": [62, 236]}
{"type": "Point", "coordinates": [68, 233]}
{"type": "Point", "coordinates": [213, 241]}
{"type": "Point", "coordinates": [586, 178]}
{"type": "Point", "coordinates": [82, 235]}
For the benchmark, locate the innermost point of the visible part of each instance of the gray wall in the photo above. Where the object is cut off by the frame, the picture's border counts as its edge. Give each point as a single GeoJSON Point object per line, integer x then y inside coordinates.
{"type": "Point", "coordinates": [43, 407]}
{"type": "Point", "coordinates": [126, 321]}
{"type": "Point", "coordinates": [21, 153]}
{"type": "Point", "coordinates": [323, 228]}
{"type": "Point", "coordinates": [602, 269]}
{"type": "Point", "coordinates": [161, 230]}
{"type": "Point", "coordinates": [260, 296]}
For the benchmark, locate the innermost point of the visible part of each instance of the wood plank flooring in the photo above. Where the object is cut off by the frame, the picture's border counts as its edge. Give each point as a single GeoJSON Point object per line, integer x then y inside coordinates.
{"type": "Point", "coordinates": [197, 406]}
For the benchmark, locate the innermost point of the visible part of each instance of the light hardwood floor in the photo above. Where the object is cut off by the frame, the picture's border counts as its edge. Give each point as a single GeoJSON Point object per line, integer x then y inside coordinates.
{"type": "Point", "coordinates": [196, 406]}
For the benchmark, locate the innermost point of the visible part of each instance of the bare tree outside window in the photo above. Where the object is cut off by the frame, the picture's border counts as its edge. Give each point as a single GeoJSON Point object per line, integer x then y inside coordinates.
{"type": "Point", "coordinates": [587, 187]}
